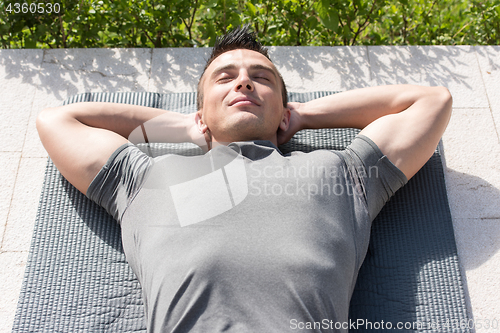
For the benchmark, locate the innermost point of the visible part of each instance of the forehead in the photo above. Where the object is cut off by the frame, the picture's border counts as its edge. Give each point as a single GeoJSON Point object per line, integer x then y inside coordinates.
{"type": "Point", "coordinates": [240, 58]}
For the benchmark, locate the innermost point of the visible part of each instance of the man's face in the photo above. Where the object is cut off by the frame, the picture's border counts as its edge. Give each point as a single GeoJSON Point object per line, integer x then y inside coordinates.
{"type": "Point", "coordinates": [242, 98]}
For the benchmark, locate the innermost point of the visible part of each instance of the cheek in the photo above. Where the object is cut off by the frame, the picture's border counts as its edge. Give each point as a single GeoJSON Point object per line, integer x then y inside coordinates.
{"type": "Point", "coordinates": [210, 105]}
{"type": "Point", "coordinates": [275, 101]}
{"type": "Point", "coordinates": [214, 96]}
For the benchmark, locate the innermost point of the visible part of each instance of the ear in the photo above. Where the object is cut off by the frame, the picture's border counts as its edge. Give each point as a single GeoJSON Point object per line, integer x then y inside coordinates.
{"type": "Point", "coordinates": [202, 127]}
{"type": "Point", "coordinates": [285, 119]}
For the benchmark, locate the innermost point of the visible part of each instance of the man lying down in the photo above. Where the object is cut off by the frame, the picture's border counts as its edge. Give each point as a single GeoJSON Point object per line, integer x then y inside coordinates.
{"type": "Point", "coordinates": [244, 238]}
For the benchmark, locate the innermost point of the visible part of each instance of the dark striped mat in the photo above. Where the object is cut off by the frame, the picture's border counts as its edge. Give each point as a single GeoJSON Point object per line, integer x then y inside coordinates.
{"type": "Point", "coordinates": [77, 278]}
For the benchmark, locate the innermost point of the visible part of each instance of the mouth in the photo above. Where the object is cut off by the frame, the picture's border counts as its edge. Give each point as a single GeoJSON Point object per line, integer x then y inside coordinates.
{"type": "Point", "coordinates": [244, 101]}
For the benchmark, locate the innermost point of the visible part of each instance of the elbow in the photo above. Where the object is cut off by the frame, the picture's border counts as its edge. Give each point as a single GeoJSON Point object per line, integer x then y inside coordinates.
{"type": "Point", "coordinates": [43, 119]}
{"type": "Point", "coordinates": [440, 104]}
{"type": "Point", "coordinates": [445, 100]}
{"type": "Point", "coordinates": [47, 119]}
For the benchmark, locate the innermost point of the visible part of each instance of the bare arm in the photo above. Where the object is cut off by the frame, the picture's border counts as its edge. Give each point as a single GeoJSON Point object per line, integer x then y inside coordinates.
{"type": "Point", "coordinates": [81, 137]}
{"type": "Point", "coordinates": [406, 122]}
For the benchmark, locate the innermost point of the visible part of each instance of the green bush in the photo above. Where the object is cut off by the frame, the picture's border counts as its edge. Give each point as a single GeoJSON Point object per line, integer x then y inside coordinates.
{"type": "Point", "coordinates": [180, 23]}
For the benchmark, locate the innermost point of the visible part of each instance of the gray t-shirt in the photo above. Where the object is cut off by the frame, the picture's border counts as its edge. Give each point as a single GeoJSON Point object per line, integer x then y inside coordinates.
{"type": "Point", "coordinates": [244, 239]}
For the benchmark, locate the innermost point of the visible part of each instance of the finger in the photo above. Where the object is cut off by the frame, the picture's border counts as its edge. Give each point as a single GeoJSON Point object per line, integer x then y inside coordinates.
{"type": "Point", "coordinates": [208, 138]}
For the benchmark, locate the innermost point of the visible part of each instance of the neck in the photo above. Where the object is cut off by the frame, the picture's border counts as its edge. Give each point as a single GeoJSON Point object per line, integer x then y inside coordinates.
{"type": "Point", "coordinates": [214, 143]}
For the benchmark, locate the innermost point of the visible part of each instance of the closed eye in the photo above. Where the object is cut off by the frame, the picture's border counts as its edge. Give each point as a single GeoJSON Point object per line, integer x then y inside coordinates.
{"type": "Point", "coordinates": [224, 79]}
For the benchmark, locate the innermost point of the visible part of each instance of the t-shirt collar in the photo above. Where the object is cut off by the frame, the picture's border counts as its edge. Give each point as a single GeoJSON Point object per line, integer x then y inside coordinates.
{"type": "Point", "coordinates": [262, 144]}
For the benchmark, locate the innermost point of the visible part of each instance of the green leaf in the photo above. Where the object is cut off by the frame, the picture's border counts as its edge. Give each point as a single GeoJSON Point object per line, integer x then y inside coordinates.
{"type": "Point", "coordinates": [312, 22]}
{"type": "Point", "coordinates": [29, 43]}
{"type": "Point", "coordinates": [328, 15]}
{"type": "Point", "coordinates": [251, 8]}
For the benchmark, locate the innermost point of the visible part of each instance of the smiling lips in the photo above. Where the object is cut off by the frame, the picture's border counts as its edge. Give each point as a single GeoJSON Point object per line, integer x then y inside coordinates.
{"type": "Point", "coordinates": [243, 100]}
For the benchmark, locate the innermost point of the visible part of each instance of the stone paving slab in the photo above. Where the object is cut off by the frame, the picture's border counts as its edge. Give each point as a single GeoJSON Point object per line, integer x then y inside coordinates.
{"type": "Point", "coordinates": [35, 79]}
{"type": "Point", "coordinates": [322, 68]}
{"type": "Point", "coordinates": [177, 70]}
{"type": "Point", "coordinates": [11, 274]}
{"type": "Point", "coordinates": [14, 124]}
{"type": "Point", "coordinates": [21, 219]}
{"type": "Point", "coordinates": [17, 235]}
{"type": "Point", "coordinates": [9, 163]}
{"type": "Point", "coordinates": [455, 67]}
{"type": "Point", "coordinates": [473, 173]}
{"type": "Point", "coordinates": [98, 69]}
{"type": "Point", "coordinates": [18, 71]}
{"type": "Point", "coordinates": [489, 63]}
{"type": "Point", "coordinates": [478, 241]}
{"type": "Point", "coordinates": [70, 71]}
{"type": "Point", "coordinates": [32, 145]}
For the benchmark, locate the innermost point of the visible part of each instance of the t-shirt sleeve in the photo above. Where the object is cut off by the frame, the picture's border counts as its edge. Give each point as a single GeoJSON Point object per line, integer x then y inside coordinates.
{"type": "Point", "coordinates": [119, 180]}
{"type": "Point", "coordinates": [377, 176]}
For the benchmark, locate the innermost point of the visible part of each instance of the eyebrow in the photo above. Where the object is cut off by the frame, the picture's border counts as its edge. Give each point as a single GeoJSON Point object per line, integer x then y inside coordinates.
{"type": "Point", "coordinates": [223, 68]}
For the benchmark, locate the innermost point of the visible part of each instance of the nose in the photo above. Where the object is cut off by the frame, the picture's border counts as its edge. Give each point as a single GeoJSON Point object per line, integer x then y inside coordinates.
{"type": "Point", "coordinates": [248, 86]}
{"type": "Point", "coordinates": [244, 82]}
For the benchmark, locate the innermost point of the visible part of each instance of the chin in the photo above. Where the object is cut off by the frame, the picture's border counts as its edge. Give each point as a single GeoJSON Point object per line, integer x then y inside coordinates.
{"type": "Point", "coordinates": [246, 130]}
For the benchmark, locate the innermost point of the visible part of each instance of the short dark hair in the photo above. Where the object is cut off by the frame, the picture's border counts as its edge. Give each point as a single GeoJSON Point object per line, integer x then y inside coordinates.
{"type": "Point", "coordinates": [238, 38]}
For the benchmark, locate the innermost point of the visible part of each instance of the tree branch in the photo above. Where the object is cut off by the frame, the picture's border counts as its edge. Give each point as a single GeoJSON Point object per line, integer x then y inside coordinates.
{"type": "Point", "coordinates": [78, 14]}
{"type": "Point", "coordinates": [424, 14]}
{"type": "Point", "coordinates": [362, 27]}
{"type": "Point", "coordinates": [62, 30]}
